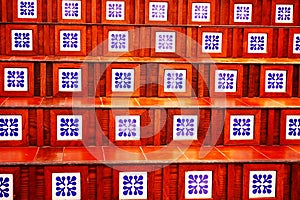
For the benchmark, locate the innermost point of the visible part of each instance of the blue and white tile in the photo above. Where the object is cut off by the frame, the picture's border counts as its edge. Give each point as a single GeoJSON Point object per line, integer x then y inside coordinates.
{"type": "Point", "coordinates": [127, 127]}
{"type": "Point", "coordinates": [118, 41]}
{"type": "Point", "coordinates": [241, 127]}
{"type": "Point", "coordinates": [15, 79]}
{"type": "Point", "coordinates": [200, 12]}
{"type": "Point", "coordinates": [284, 13]}
{"type": "Point", "coordinates": [275, 81]}
{"type": "Point", "coordinates": [165, 42]}
{"type": "Point", "coordinates": [158, 11]}
{"type": "Point", "coordinates": [21, 40]}
{"type": "Point", "coordinates": [296, 43]}
{"type": "Point", "coordinates": [133, 185]}
{"type": "Point", "coordinates": [69, 80]}
{"type": "Point", "coordinates": [257, 42]}
{"type": "Point", "coordinates": [10, 127]}
{"type": "Point", "coordinates": [174, 80]}
{"type": "Point", "coordinates": [69, 127]}
{"type": "Point", "coordinates": [27, 9]}
{"type": "Point", "coordinates": [6, 187]}
{"type": "Point", "coordinates": [122, 80]}
{"type": "Point", "coordinates": [262, 184]}
{"type": "Point", "coordinates": [292, 127]}
{"type": "Point", "coordinates": [211, 42]}
{"type": "Point", "coordinates": [242, 13]}
{"type": "Point", "coordinates": [66, 186]}
{"type": "Point", "coordinates": [70, 40]}
{"type": "Point", "coordinates": [115, 10]}
{"type": "Point", "coordinates": [71, 9]}
{"type": "Point", "coordinates": [225, 80]}
{"type": "Point", "coordinates": [198, 184]}
{"type": "Point", "coordinates": [185, 127]}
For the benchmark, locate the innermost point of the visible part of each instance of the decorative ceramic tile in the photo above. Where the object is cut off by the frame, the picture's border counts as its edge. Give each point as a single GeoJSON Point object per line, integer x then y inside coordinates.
{"type": "Point", "coordinates": [225, 80]}
{"type": "Point", "coordinates": [69, 80]}
{"type": "Point", "coordinates": [292, 127]}
{"type": "Point", "coordinates": [158, 11]}
{"type": "Point", "coordinates": [165, 42]}
{"type": "Point", "coordinates": [69, 127]}
{"type": "Point", "coordinates": [241, 127]}
{"type": "Point", "coordinates": [185, 127]}
{"type": "Point", "coordinates": [127, 127]}
{"type": "Point", "coordinates": [15, 79]}
{"type": "Point", "coordinates": [211, 42]}
{"type": "Point", "coordinates": [200, 12]}
{"type": "Point", "coordinates": [118, 41]}
{"type": "Point", "coordinates": [174, 80]}
{"type": "Point", "coordinates": [122, 80]}
{"type": "Point", "coordinates": [275, 81]}
{"type": "Point", "coordinates": [284, 13]}
{"type": "Point", "coordinates": [70, 40]}
{"type": "Point", "coordinates": [257, 42]}
{"type": "Point", "coordinates": [198, 184]}
{"type": "Point", "coordinates": [133, 185]}
{"type": "Point", "coordinates": [262, 184]}
{"type": "Point", "coordinates": [296, 44]}
{"type": "Point", "coordinates": [10, 127]}
{"type": "Point", "coordinates": [66, 186]}
{"type": "Point", "coordinates": [242, 13]}
{"type": "Point", "coordinates": [71, 9]}
{"type": "Point", "coordinates": [21, 40]}
{"type": "Point", "coordinates": [6, 187]}
{"type": "Point", "coordinates": [27, 9]}
{"type": "Point", "coordinates": [115, 10]}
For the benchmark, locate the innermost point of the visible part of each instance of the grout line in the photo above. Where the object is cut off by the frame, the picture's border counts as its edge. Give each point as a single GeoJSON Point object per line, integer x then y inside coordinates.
{"type": "Point", "coordinates": [143, 153]}
{"type": "Point", "coordinates": [35, 156]}
{"type": "Point", "coordinates": [103, 154]}
{"type": "Point", "coordinates": [182, 153]}
{"type": "Point", "coordinates": [222, 153]}
{"type": "Point", "coordinates": [137, 101]}
{"type": "Point", "coordinates": [293, 149]}
{"type": "Point", "coordinates": [5, 101]}
{"type": "Point", "coordinates": [260, 152]}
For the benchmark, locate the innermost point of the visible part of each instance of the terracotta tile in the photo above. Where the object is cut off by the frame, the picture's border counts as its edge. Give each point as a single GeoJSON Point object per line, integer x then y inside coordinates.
{"type": "Point", "coordinates": [162, 154]}
{"type": "Point", "coordinates": [260, 102]}
{"type": "Point", "coordinates": [18, 154]}
{"type": "Point", "coordinates": [120, 154]}
{"type": "Point", "coordinates": [49, 154]}
{"type": "Point", "coordinates": [119, 102]}
{"type": "Point", "coordinates": [155, 102]}
{"type": "Point", "coordinates": [53, 102]}
{"type": "Point", "coordinates": [83, 102]}
{"type": "Point", "coordinates": [225, 102]}
{"type": "Point", "coordinates": [241, 153]}
{"type": "Point", "coordinates": [295, 148]}
{"type": "Point", "coordinates": [279, 153]}
{"type": "Point", "coordinates": [203, 153]}
{"type": "Point", "coordinates": [22, 102]}
{"type": "Point", "coordinates": [288, 102]}
{"type": "Point", "coordinates": [83, 154]}
{"type": "Point", "coordinates": [2, 100]}
{"type": "Point", "coordinates": [191, 102]}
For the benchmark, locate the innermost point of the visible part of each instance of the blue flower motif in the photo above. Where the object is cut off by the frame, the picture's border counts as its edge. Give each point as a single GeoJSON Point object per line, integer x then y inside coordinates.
{"type": "Point", "coordinates": [123, 80]}
{"type": "Point", "coordinates": [9, 127]}
{"type": "Point", "coordinates": [158, 11]}
{"type": "Point", "coordinates": [115, 10]}
{"type": "Point", "coordinates": [275, 80]}
{"type": "Point", "coordinates": [241, 127]}
{"type": "Point", "coordinates": [15, 79]}
{"type": "Point", "coordinates": [27, 8]}
{"type": "Point", "coordinates": [70, 79]}
{"type": "Point", "coordinates": [66, 186]}
{"type": "Point", "coordinates": [262, 184]}
{"type": "Point", "coordinates": [201, 12]}
{"type": "Point", "coordinates": [297, 43]}
{"type": "Point", "coordinates": [69, 126]}
{"type": "Point", "coordinates": [294, 127]}
{"type": "Point", "coordinates": [22, 40]}
{"type": "Point", "coordinates": [284, 13]}
{"type": "Point", "coordinates": [165, 42]}
{"type": "Point", "coordinates": [197, 184]}
{"type": "Point", "coordinates": [70, 40]}
{"type": "Point", "coordinates": [175, 80]}
{"type": "Point", "coordinates": [212, 42]}
{"type": "Point", "coordinates": [127, 127]}
{"type": "Point", "coordinates": [225, 81]}
{"type": "Point", "coordinates": [185, 127]}
{"type": "Point", "coordinates": [118, 41]}
{"type": "Point", "coordinates": [257, 43]}
{"type": "Point", "coordinates": [133, 185]}
{"type": "Point", "coordinates": [71, 9]}
{"type": "Point", "coordinates": [4, 187]}
{"type": "Point", "coordinates": [243, 13]}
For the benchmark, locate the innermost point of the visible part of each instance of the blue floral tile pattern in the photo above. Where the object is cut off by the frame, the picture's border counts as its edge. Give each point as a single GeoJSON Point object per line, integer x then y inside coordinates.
{"type": "Point", "coordinates": [284, 13]}
{"type": "Point", "coordinates": [292, 127]}
{"type": "Point", "coordinates": [71, 9]}
{"type": "Point", "coordinates": [70, 40]}
{"type": "Point", "coordinates": [185, 127]}
{"type": "Point", "coordinates": [115, 10]}
{"type": "Point", "coordinates": [27, 9]}
{"type": "Point", "coordinates": [296, 43]}
{"type": "Point", "coordinates": [69, 80]}
{"type": "Point", "coordinates": [211, 42]}
{"type": "Point", "coordinates": [174, 80]}
{"type": "Point", "coordinates": [6, 186]}
{"type": "Point", "coordinates": [200, 12]}
{"type": "Point", "coordinates": [118, 41]}
{"type": "Point", "coordinates": [66, 186]}
{"type": "Point", "coordinates": [262, 184]}
{"type": "Point", "coordinates": [69, 127]}
{"type": "Point", "coordinates": [257, 42]}
{"type": "Point", "coordinates": [158, 11]}
{"type": "Point", "coordinates": [165, 42]}
{"type": "Point", "coordinates": [127, 127]}
{"type": "Point", "coordinates": [241, 127]}
{"type": "Point", "coordinates": [10, 127]}
{"type": "Point", "coordinates": [225, 80]}
{"type": "Point", "coordinates": [242, 13]}
{"type": "Point", "coordinates": [133, 185]}
{"type": "Point", "coordinates": [198, 184]}
{"type": "Point", "coordinates": [122, 80]}
{"type": "Point", "coordinates": [15, 79]}
{"type": "Point", "coordinates": [21, 40]}
{"type": "Point", "coordinates": [275, 81]}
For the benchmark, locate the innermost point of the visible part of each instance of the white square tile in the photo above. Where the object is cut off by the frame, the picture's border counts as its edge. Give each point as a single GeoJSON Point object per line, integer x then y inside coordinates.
{"type": "Point", "coordinates": [198, 184]}
{"type": "Point", "coordinates": [225, 80]}
{"type": "Point", "coordinates": [211, 42]}
{"type": "Point", "coordinates": [200, 12]}
{"type": "Point", "coordinates": [6, 186]}
{"type": "Point", "coordinates": [15, 79]}
{"type": "Point", "coordinates": [10, 127]}
{"type": "Point", "coordinates": [27, 9]}
{"type": "Point", "coordinates": [69, 80]}
{"type": "Point", "coordinates": [257, 42]}
{"type": "Point", "coordinates": [292, 127]}
{"type": "Point", "coordinates": [133, 185]}
{"type": "Point", "coordinates": [69, 127]}
{"type": "Point", "coordinates": [71, 9]}
{"type": "Point", "coordinates": [284, 13]}
{"type": "Point", "coordinates": [115, 10]}
{"type": "Point", "coordinates": [66, 186]}
{"type": "Point", "coordinates": [241, 127]}
{"type": "Point", "coordinates": [262, 184]}
{"type": "Point", "coordinates": [296, 44]}
{"type": "Point", "coordinates": [21, 40]}
{"type": "Point", "coordinates": [242, 13]}
{"type": "Point", "coordinates": [165, 42]}
{"type": "Point", "coordinates": [158, 11]}
{"type": "Point", "coordinates": [275, 81]}
{"type": "Point", "coordinates": [118, 41]}
{"type": "Point", "coordinates": [122, 80]}
{"type": "Point", "coordinates": [127, 127]}
{"type": "Point", "coordinates": [185, 127]}
{"type": "Point", "coordinates": [174, 80]}
{"type": "Point", "coordinates": [70, 41]}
